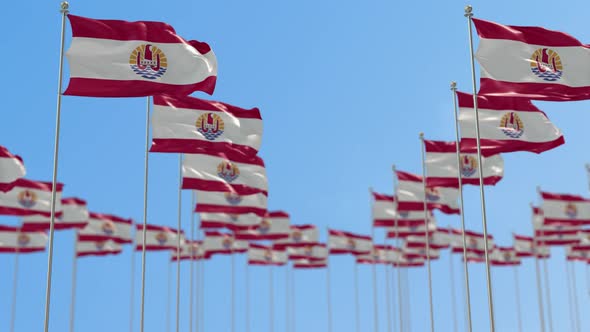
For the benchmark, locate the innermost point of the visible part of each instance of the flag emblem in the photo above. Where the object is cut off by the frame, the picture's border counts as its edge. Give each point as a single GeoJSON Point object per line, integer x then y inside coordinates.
{"type": "Point", "coordinates": [546, 64]}
{"type": "Point", "coordinates": [308, 250]}
{"type": "Point", "coordinates": [404, 214]}
{"type": "Point", "coordinates": [148, 61]}
{"type": "Point", "coordinates": [264, 226]}
{"type": "Point", "coordinates": [227, 242]}
{"type": "Point", "coordinates": [432, 194]}
{"type": "Point", "coordinates": [23, 240]}
{"type": "Point", "coordinates": [296, 235]}
{"type": "Point", "coordinates": [376, 254]}
{"type": "Point", "coordinates": [210, 125]}
{"type": "Point", "coordinates": [571, 210]}
{"type": "Point", "coordinates": [232, 198]}
{"type": "Point", "coordinates": [228, 171]}
{"type": "Point", "coordinates": [99, 245]}
{"type": "Point", "coordinates": [511, 125]}
{"type": "Point", "coordinates": [350, 244]}
{"type": "Point", "coordinates": [194, 248]}
{"type": "Point", "coordinates": [507, 256]}
{"type": "Point", "coordinates": [472, 243]}
{"type": "Point", "coordinates": [108, 227]}
{"type": "Point", "coordinates": [268, 255]}
{"type": "Point", "coordinates": [233, 217]}
{"type": "Point", "coordinates": [161, 238]}
{"type": "Point", "coordinates": [468, 165]}
{"type": "Point", "coordinates": [27, 198]}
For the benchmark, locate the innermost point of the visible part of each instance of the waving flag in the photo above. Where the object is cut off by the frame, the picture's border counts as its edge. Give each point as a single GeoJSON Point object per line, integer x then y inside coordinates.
{"type": "Point", "coordinates": [380, 254]}
{"type": "Point", "coordinates": [110, 58]}
{"type": "Point", "coordinates": [11, 169]}
{"type": "Point", "coordinates": [340, 242]}
{"type": "Point", "coordinates": [419, 252]}
{"type": "Point", "coordinates": [578, 252]}
{"type": "Point", "coordinates": [504, 256]}
{"type": "Point", "coordinates": [472, 256]}
{"type": "Point", "coordinates": [231, 203]}
{"type": "Point", "coordinates": [219, 171]}
{"type": "Point", "coordinates": [524, 246]}
{"type": "Point", "coordinates": [309, 264]}
{"type": "Point", "coordinates": [565, 209]}
{"type": "Point", "coordinates": [222, 243]}
{"type": "Point", "coordinates": [405, 231]}
{"type": "Point", "coordinates": [234, 222]}
{"type": "Point", "coordinates": [102, 227]}
{"type": "Point", "coordinates": [187, 124]}
{"type": "Point", "coordinates": [15, 239]}
{"type": "Point", "coordinates": [310, 251]}
{"type": "Point", "coordinates": [384, 213]}
{"type": "Point", "coordinates": [439, 239]}
{"type": "Point", "coordinates": [97, 248]}
{"type": "Point", "coordinates": [442, 170]}
{"type": "Point", "coordinates": [532, 62]}
{"type": "Point", "coordinates": [29, 198]}
{"type": "Point", "coordinates": [300, 236]}
{"type": "Point", "coordinates": [405, 261]}
{"type": "Point", "coordinates": [265, 255]}
{"type": "Point", "coordinates": [411, 195]}
{"type": "Point", "coordinates": [189, 250]}
{"type": "Point", "coordinates": [157, 238]}
{"type": "Point", "coordinates": [505, 125]}
{"type": "Point", "coordinates": [74, 216]}
{"type": "Point", "coordinates": [274, 226]}
{"type": "Point", "coordinates": [475, 242]}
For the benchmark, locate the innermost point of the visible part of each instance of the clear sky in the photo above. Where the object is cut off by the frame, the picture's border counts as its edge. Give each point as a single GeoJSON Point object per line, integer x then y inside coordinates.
{"type": "Point", "coordinates": [344, 88]}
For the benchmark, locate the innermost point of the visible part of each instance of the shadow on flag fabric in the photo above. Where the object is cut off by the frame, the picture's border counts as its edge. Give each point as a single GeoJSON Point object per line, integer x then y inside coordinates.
{"type": "Point", "coordinates": [12, 168]}
{"type": "Point", "coordinates": [532, 62]}
{"type": "Point", "coordinates": [111, 58]}
{"type": "Point", "coordinates": [29, 197]}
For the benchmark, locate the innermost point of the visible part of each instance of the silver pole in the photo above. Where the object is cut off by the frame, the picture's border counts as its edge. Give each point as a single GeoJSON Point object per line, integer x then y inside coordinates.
{"type": "Point", "coordinates": [328, 296]}
{"type": "Point", "coordinates": [233, 290]}
{"type": "Point", "coordinates": [587, 280]}
{"type": "Point", "coordinates": [64, 10]}
{"type": "Point", "coordinates": [169, 298]}
{"type": "Point", "coordinates": [356, 298]}
{"type": "Point", "coordinates": [408, 300]}
{"type": "Point", "coordinates": [271, 299]}
{"type": "Point", "coordinates": [575, 293]}
{"type": "Point", "coordinates": [463, 237]}
{"type": "Point", "coordinates": [548, 292]}
{"type": "Point", "coordinates": [539, 292]}
{"type": "Point", "coordinates": [375, 299]}
{"type": "Point", "coordinates": [14, 288]}
{"type": "Point", "coordinates": [145, 210]}
{"type": "Point", "coordinates": [287, 294]}
{"type": "Point", "coordinates": [427, 234]}
{"type": "Point", "coordinates": [178, 234]}
{"type": "Point", "coordinates": [132, 291]}
{"type": "Point", "coordinates": [569, 298]}
{"type": "Point", "coordinates": [74, 277]}
{"type": "Point", "coordinates": [202, 292]}
{"type": "Point", "coordinates": [293, 302]}
{"type": "Point", "coordinates": [453, 300]}
{"type": "Point", "coordinates": [517, 291]}
{"type": "Point", "coordinates": [399, 285]}
{"type": "Point", "coordinates": [247, 298]}
{"type": "Point", "coordinates": [388, 298]}
{"type": "Point", "coordinates": [469, 14]}
{"type": "Point", "coordinates": [192, 265]}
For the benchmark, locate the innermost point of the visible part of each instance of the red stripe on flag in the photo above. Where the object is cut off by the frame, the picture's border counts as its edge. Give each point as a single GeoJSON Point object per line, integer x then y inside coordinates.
{"type": "Point", "coordinates": [537, 91]}
{"type": "Point", "coordinates": [94, 87]}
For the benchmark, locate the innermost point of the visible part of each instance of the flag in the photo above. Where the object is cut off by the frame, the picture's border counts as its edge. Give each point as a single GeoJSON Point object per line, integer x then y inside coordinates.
{"type": "Point", "coordinates": [504, 256]}
{"type": "Point", "coordinates": [230, 202]}
{"type": "Point", "coordinates": [473, 257]}
{"type": "Point", "coordinates": [385, 214]}
{"type": "Point", "coordinates": [234, 222]}
{"type": "Point", "coordinates": [97, 248]}
{"type": "Point", "coordinates": [74, 216]}
{"type": "Point", "coordinates": [414, 230]}
{"type": "Point", "coordinates": [156, 237]}
{"type": "Point", "coordinates": [224, 171]}
{"type": "Point", "coordinates": [11, 169]}
{"type": "Point", "coordinates": [16, 240]}
{"type": "Point", "coordinates": [505, 125]}
{"type": "Point", "coordinates": [442, 169]}
{"type": "Point", "coordinates": [110, 58]}
{"type": "Point", "coordinates": [274, 226]}
{"type": "Point", "coordinates": [558, 237]}
{"type": "Point", "coordinates": [310, 251]}
{"type": "Point", "coordinates": [189, 250]}
{"type": "Point", "coordinates": [475, 242]}
{"type": "Point", "coordinates": [532, 62]}
{"type": "Point", "coordinates": [29, 197]}
{"type": "Point", "coordinates": [340, 242]}
{"type": "Point", "coordinates": [187, 124]}
{"type": "Point", "coordinates": [222, 243]}
{"type": "Point", "coordinates": [439, 239]}
{"type": "Point", "coordinates": [411, 195]}
{"type": "Point", "coordinates": [102, 227]}
{"type": "Point", "coordinates": [404, 261]}
{"type": "Point", "coordinates": [380, 254]}
{"type": "Point", "coordinates": [580, 253]}
{"type": "Point", "coordinates": [524, 246]}
{"type": "Point", "coordinates": [565, 209]}
{"type": "Point", "coordinates": [309, 264]}
{"type": "Point", "coordinates": [419, 252]}
{"type": "Point", "coordinates": [265, 255]}
{"type": "Point", "coordinates": [300, 236]}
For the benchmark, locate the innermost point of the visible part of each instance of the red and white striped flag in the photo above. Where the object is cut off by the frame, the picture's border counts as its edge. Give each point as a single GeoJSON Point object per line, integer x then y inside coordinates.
{"type": "Point", "coordinates": [578, 252]}
{"type": "Point", "coordinates": [414, 230]}
{"type": "Point", "coordinates": [230, 202]}
{"type": "Point", "coordinates": [565, 209]}
{"type": "Point", "coordinates": [404, 261]}
{"type": "Point", "coordinates": [157, 237]}
{"type": "Point", "coordinates": [442, 169]}
{"type": "Point", "coordinates": [222, 243]}
{"type": "Point", "coordinates": [505, 125]}
{"type": "Point", "coordinates": [475, 242]}
{"type": "Point", "coordinates": [439, 239]}
{"type": "Point", "coordinates": [11, 169]}
{"type": "Point", "coordinates": [380, 254]}
{"type": "Point", "coordinates": [560, 236]}
{"type": "Point", "coordinates": [274, 226]}
{"type": "Point", "coordinates": [224, 171]}
{"type": "Point", "coordinates": [532, 62]}
{"type": "Point", "coordinates": [97, 248]}
{"type": "Point", "coordinates": [340, 242]}
{"type": "Point", "coordinates": [473, 257]}
{"type": "Point", "coordinates": [385, 214]}
{"type": "Point", "coordinates": [309, 264]}
{"type": "Point", "coordinates": [504, 256]}
{"type": "Point", "coordinates": [189, 250]}
{"type": "Point", "coordinates": [110, 58]}
{"type": "Point", "coordinates": [187, 124]}
{"type": "Point", "coordinates": [525, 247]}
{"type": "Point", "coordinates": [74, 216]}
{"type": "Point", "coordinates": [266, 255]}
{"type": "Point", "coordinates": [419, 252]}
{"type": "Point", "coordinates": [310, 251]}
{"type": "Point", "coordinates": [14, 239]}
{"type": "Point", "coordinates": [234, 222]}
{"type": "Point", "coordinates": [102, 227]}
{"type": "Point", "coordinates": [29, 198]}
{"type": "Point", "coordinates": [300, 236]}
{"type": "Point", "coordinates": [411, 195]}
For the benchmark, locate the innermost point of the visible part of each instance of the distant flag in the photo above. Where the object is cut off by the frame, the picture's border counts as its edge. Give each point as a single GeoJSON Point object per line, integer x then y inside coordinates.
{"type": "Point", "coordinates": [222, 243]}
{"type": "Point", "coordinates": [225, 172]}
{"type": "Point", "coordinates": [504, 256]}
{"type": "Point", "coordinates": [532, 62]}
{"type": "Point", "coordinates": [565, 209]}
{"type": "Point", "coordinates": [588, 173]}
{"type": "Point", "coordinates": [442, 169]}
{"type": "Point", "coordinates": [385, 214]}
{"type": "Point", "coordinates": [419, 252]}
{"type": "Point", "coordinates": [187, 124]}
{"type": "Point", "coordinates": [340, 242]}
{"type": "Point", "coordinates": [578, 252]}
{"type": "Point", "coordinates": [97, 248]}
{"type": "Point", "coordinates": [234, 222]}
{"type": "Point", "coordinates": [475, 242]}
{"type": "Point", "coordinates": [29, 197]}
{"type": "Point", "coordinates": [102, 227]}
{"type": "Point", "coordinates": [380, 254]}
{"type": "Point", "coordinates": [12, 168]}
{"type": "Point", "coordinates": [439, 239]}
{"type": "Point", "coordinates": [230, 203]}
{"type": "Point", "coordinates": [157, 237]}
{"type": "Point", "coordinates": [405, 261]}
{"type": "Point", "coordinates": [300, 236]}
{"type": "Point", "coordinates": [311, 251]}
{"type": "Point", "coordinates": [506, 125]}
{"type": "Point", "coordinates": [110, 58]}
{"type": "Point", "coordinates": [15, 239]}
{"type": "Point", "coordinates": [411, 195]}
{"type": "Point", "coordinates": [189, 250]}
{"type": "Point", "coordinates": [310, 264]}
{"type": "Point", "coordinates": [558, 237]}
{"type": "Point", "coordinates": [74, 216]}
{"type": "Point", "coordinates": [405, 231]}
{"type": "Point", "coordinates": [471, 256]}
{"type": "Point", "coordinates": [274, 226]}
{"type": "Point", "coordinates": [524, 246]}
{"type": "Point", "coordinates": [266, 255]}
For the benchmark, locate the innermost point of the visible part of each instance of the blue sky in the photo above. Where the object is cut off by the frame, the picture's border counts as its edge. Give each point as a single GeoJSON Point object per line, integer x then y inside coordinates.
{"type": "Point", "coordinates": [344, 89]}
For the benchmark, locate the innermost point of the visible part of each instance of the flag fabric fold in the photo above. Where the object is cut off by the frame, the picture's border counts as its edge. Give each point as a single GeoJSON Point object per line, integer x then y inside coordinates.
{"type": "Point", "coordinates": [29, 197]}
{"type": "Point", "coordinates": [309, 264]}
{"type": "Point", "coordinates": [234, 222]}
{"type": "Point", "coordinates": [565, 209]}
{"type": "Point", "coordinates": [300, 236]}
{"type": "Point", "coordinates": [310, 251]}
{"type": "Point", "coordinates": [504, 256]}
{"type": "Point", "coordinates": [222, 243]}
{"type": "Point", "coordinates": [189, 250]}
{"type": "Point", "coordinates": [97, 248]}
{"type": "Point", "coordinates": [12, 168]}
{"type": "Point", "coordinates": [475, 242]}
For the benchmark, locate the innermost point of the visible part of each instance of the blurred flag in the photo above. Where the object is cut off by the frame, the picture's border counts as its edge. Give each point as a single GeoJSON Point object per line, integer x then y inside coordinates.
{"type": "Point", "coordinates": [380, 254]}
{"type": "Point", "coordinates": [11, 169]}
{"type": "Point", "coordinates": [384, 213]}
{"type": "Point", "coordinates": [442, 170]}
{"type": "Point", "coordinates": [558, 237]}
{"type": "Point", "coordinates": [439, 239]}
{"type": "Point", "coordinates": [234, 222]}
{"type": "Point", "coordinates": [110, 58]}
{"type": "Point", "coordinates": [405, 231]}
{"type": "Point", "coordinates": [102, 227]}
{"type": "Point", "coordinates": [97, 248]}
{"type": "Point", "coordinates": [531, 62]}
{"type": "Point", "coordinates": [227, 172]}
{"type": "Point", "coordinates": [157, 237]}
{"type": "Point", "coordinates": [309, 264]}
{"type": "Point", "coordinates": [505, 125]}
{"type": "Point", "coordinates": [504, 256]}
{"type": "Point", "coordinates": [74, 216]}
{"type": "Point", "coordinates": [411, 195]}
{"type": "Point", "coordinates": [475, 242]}
{"type": "Point", "coordinates": [524, 246]}
{"type": "Point", "coordinates": [222, 243]}
{"type": "Point", "coordinates": [300, 236]}
{"type": "Point", "coordinates": [15, 239]}
{"type": "Point", "coordinates": [189, 250]}
{"type": "Point", "coordinates": [340, 242]}
{"type": "Point", "coordinates": [419, 252]}
{"type": "Point", "coordinates": [578, 252]}
{"type": "Point", "coordinates": [405, 261]}
{"type": "Point", "coordinates": [311, 251]}
{"type": "Point", "coordinates": [472, 257]}
{"type": "Point", "coordinates": [230, 202]}
{"type": "Point", "coordinates": [265, 255]}
{"type": "Point", "coordinates": [565, 209]}
{"type": "Point", "coordinates": [29, 197]}
{"type": "Point", "coordinates": [187, 124]}
{"type": "Point", "coordinates": [274, 226]}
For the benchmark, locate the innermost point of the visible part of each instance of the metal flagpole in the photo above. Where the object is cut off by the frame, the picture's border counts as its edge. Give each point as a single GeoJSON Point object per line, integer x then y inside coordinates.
{"type": "Point", "coordinates": [293, 302]}
{"type": "Point", "coordinates": [74, 277]}
{"type": "Point", "coordinates": [575, 293]}
{"type": "Point", "coordinates": [287, 303]}
{"type": "Point", "coordinates": [271, 299]}
{"type": "Point", "coordinates": [469, 14]}
{"type": "Point", "coordinates": [132, 291]}
{"type": "Point", "coordinates": [517, 291]}
{"type": "Point", "coordinates": [328, 295]}
{"type": "Point", "coordinates": [145, 208]}
{"type": "Point", "coordinates": [192, 264]}
{"type": "Point", "coordinates": [356, 298]}
{"type": "Point", "coordinates": [375, 300]}
{"type": "Point", "coordinates": [539, 292]}
{"type": "Point", "coordinates": [393, 309]}
{"type": "Point", "coordinates": [64, 9]}
{"type": "Point", "coordinates": [247, 277]}
{"type": "Point", "coordinates": [14, 288]}
{"type": "Point", "coordinates": [548, 292]}
{"type": "Point", "coordinates": [399, 285]}
{"type": "Point", "coordinates": [178, 235]}
{"type": "Point", "coordinates": [202, 292]}
{"type": "Point", "coordinates": [453, 300]}
{"type": "Point", "coordinates": [408, 300]}
{"type": "Point", "coordinates": [587, 279]}
{"type": "Point", "coordinates": [233, 289]}
{"type": "Point", "coordinates": [169, 297]}
{"type": "Point", "coordinates": [460, 179]}
{"type": "Point", "coordinates": [427, 234]}
{"type": "Point", "coordinates": [569, 298]}
{"type": "Point", "coordinates": [388, 297]}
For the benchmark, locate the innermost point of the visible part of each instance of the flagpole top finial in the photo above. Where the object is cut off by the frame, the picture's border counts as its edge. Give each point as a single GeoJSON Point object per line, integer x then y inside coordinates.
{"type": "Point", "coordinates": [64, 7]}
{"type": "Point", "coordinates": [468, 11]}
{"type": "Point", "coordinates": [421, 135]}
{"type": "Point", "coordinates": [453, 85]}
{"type": "Point", "coordinates": [393, 167]}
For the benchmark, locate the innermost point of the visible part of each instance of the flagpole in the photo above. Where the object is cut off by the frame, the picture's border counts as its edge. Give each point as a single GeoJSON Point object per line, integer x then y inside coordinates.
{"type": "Point", "coordinates": [453, 300]}
{"type": "Point", "coordinates": [74, 279]}
{"type": "Point", "coordinates": [469, 14]}
{"type": "Point", "coordinates": [287, 293]}
{"type": "Point", "coordinates": [427, 234]}
{"type": "Point", "coordinates": [178, 234]}
{"type": "Point", "coordinates": [517, 291]}
{"type": "Point", "coordinates": [64, 10]}
{"type": "Point", "coordinates": [328, 294]}
{"type": "Point", "coordinates": [271, 299]}
{"type": "Point", "coordinates": [356, 298]}
{"type": "Point", "coordinates": [145, 209]}
{"type": "Point", "coordinates": [132, 291]}
{"type": "Point", "coordinates": [569, 296]}
{"type": "Point", "coordinates": [375, 300]}
{"type": "Point", "coordinates": [460, 180]}
{"type": "Point", "coordinates": [169, 297]}
{"type": "Point", "coordinates": [14, 288]}
{"type": "Point", "coordinates": [587, 279]}
{"type": "Point", "coordinates": [202, 292]}
{"type": "Point", "coordinates": [399, 286]}
{"type": "Point", "coordinates": [247, 290]}
{"type": "Point", "coordinates": [388, 297]}
{"type": "Point", "coordinates": [192, 264]}
{"type": "Point", "coordinates": [293, 302]}
{"type": "Point", "coordinates": [233, 289]}
{"type": "Point", "coordinates": [575, 293]}
{"type": "Point", "coordinates": [538, 276]}
{"type": "Point", "coordinates": [408, 299]}
{"type": "Point", "coordinates": [548, 291]}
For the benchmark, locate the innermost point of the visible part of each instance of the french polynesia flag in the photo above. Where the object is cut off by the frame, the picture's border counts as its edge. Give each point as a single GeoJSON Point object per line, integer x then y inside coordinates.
{"type": "Point", "coordinates": [504, 256]}
{"type": "Point", "coordinates": [310, 264]}
{"type": "Point", "coordinates": [340, 242]}
{"type": "Point", "coordinates": [110, 58]}
{"type": "Point", "coordinates": [266, 255]}
{"type": "Point", "coordinates": [439, 239]}
{"type": "Point", "coordinates": [413, 230]}
{"type": "Point", "coordinates": [74, 216]}
{"type": "Point", "coordinates": [310, 251]}
{"type": "Point", "coordinates": [274, 226]}
{"type": "Point", "coordinates": [157, 237]}
{"type": "Point", "coordinates": [11, 169]}
{"type": "Point", "coordinates": [475, 242]}
{"type": "Point", "coordinates": [565, 209]}
{"type": "Point", "coordinates": [234, 222]}
{"type": "Point", "coordinates": [506, 124]}
{"type": "Point", "coordinates": [532, 62]}
{"type": "Point", "coordinates": [231, 203]}
{"type": "Point", "coordinates": [188, 124]}
{"type": "Point", "coordinates": [411, 195]}
{"type": "Point", "coordinates": [222, 243]}
{"type": "Point", "coordinates": [15, 239]}
{"type": "Point", "coordinates": [97, 248]}
{"type": "Point", "coordinates": [189, 250]}
{"type": "Point", "coordinates": [578, 252]}
{"type": "Point", "coordinates": [29, 197]}
{"type": "Point", "coordinates": [300, 236]}
{"type": "Point", "coordinates": [102, 227]}
{"type": "Point", "coordinates": [442, 169]}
